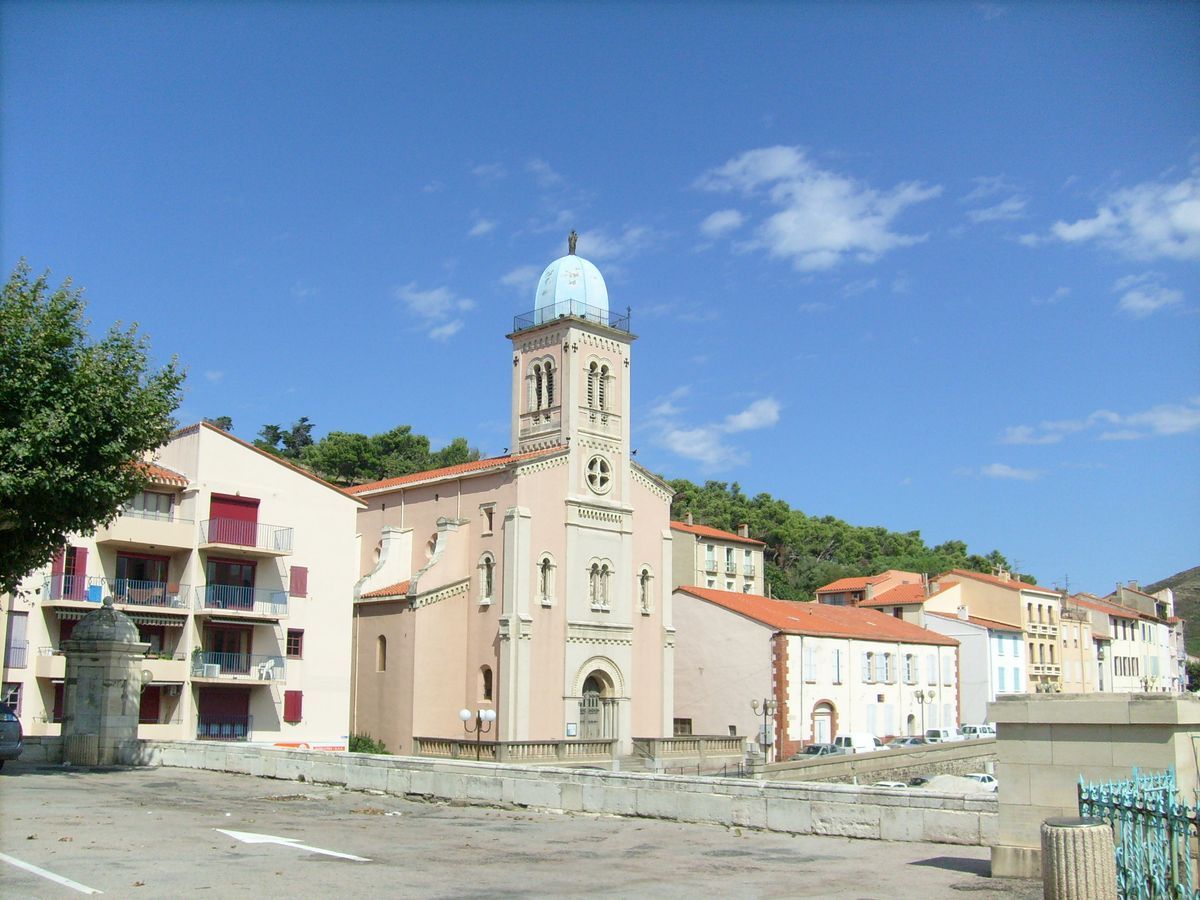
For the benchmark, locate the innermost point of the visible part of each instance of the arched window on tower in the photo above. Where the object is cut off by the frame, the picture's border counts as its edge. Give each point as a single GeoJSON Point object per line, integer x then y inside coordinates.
{"type": "Point", "coordinates": [381, 654]}
{"type": "Point", "coordinates": [645, 598]}
{"type": "Point", "coordinates": [487, 575]}
{"type": "Point", "coordinates": [602, 389]}
{"type": "Point", "coordinates": [485, 683]}
{"type": "Point", "coordinates": [546, 580]}
{"type": "Point", "coordinates": [548, 374]}
{"type": "Point", "coordinates": [593, 376]}
{"type": "Point", "coordinates": [537, 386]}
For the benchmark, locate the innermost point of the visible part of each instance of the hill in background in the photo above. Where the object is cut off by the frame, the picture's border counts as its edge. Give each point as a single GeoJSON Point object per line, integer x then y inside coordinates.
{"type": "Point", "coordinates": [1186, 586]}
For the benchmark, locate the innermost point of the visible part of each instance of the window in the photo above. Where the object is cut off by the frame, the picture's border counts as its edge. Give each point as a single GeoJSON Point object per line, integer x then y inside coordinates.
{"type": "Point", "coordinates": [16, 654]}
{"type": "Point", "coordinates": [10, 696]}
{"type": "Point", "coordinates": [293, 706]}
{"type": "Point", "coordinates": [68, 575]}
{"type": "Point", "coordinates": [295, 643]}
{"type": "Point", "coordinates": [1001, 686]}
{"type": "Point", "coordinates": [868, 668]}
{"type": "Point", "coordinates": [298, 581]}
{"type": "Point", "coordinates": [947, 670]}
{"type": "Point", "coordinates": [747, 564]}
{"type": "Point", "coordinates": [837, 666]}
{"type": "Point", "coordinates": [488, 510]}
{"type": "Point", "coordinates": [930, 669]}
{"type": "Point", "coordinates": [746, 588]}
{"type": "Point", "coordinates": [810, 664]}
{"type": "Point", "coordinates": [910, 669]}
{"type": "Point", "coordinates": [710, 558]}
{"type": "Point", "coordinates": [645, 598]}
{"type": "Point", "coordinates": [683, 727]}
{"type": "Point", "coordinates": [381, 654]}
{"type": "Point", "coordinates": [599, 474]}
{"type": "Point", "coordinates": [487, 578]}
{"type": "Point", "coordinates": [883, 667]}
{"type": "Point", "coordinates": [598, 584]}
{"type": "Point", "coordinates": [546, 580]}
{"type": "Point", "coordinates": [150, 505]}
{"type": "Point", "coordinates": [729, 585]}
{"type": "Point", "coordinates": [730, 565]}
{"type": "Point", "coordinates": [485, 683]}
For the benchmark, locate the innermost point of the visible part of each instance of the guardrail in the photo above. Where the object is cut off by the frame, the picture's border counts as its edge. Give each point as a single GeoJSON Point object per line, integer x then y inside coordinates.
{"type": "Point", "coordinates": [275, 538]}
{"type": "Point", "coordinates": [525, 752]}
{"type": "Point", "coordinates": [218, 598]}
{"type": "Point", "coordinates": [127, 591]}
{"type": "Point", "coordinates": [224, 728]}
{"type": "Point", "coordinates": [575, 309]}
{"type": "Point", "coordinates": [238, 666]}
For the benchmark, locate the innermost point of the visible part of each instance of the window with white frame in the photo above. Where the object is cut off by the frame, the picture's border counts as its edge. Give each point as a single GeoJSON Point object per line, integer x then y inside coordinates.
{"type": "Point", "coordinates": [599, 578]}
{"type": "Point", "coordinates": [487, 577]}
{"type": "Point", "coordinates": [931, 669]}
{"type": "Point", "coordinates": [910, 668]}
{"type": "Point", "coordinates": [868, 667]}
{"type": "Point", "coordinates": [837, 666]}
{"type": "Point", "coordinates": [881, 667]}
{"type": "Point", "coordinates": [947, 670]}
{"type": "Point", "coordinates": [810, 663]}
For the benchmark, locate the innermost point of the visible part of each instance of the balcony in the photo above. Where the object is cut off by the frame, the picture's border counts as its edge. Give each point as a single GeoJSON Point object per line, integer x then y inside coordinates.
{"type": "Point", "coordinates": [17, 655]}
{"type": "Point", "coordinates": [73, 590]}
{"type": "Point", "coordinates": [730, 568]}
{"type": "Point", "coordinates": [50, 663]}
{"type": "Point", "coordinates": [710, 566]}
{"type": "Point", "coordinates": [81, 590]}
{"type": "Point", "coordinates": [248, 539]}
{"type": "Point", "coordinates": [240, 667]}
{"type": "Point", "coordinates": [241, 602]}
{"type": "Point", "coordinates": [166, 671]}
{"type": "Point", "coordinates": [1042, 628]}
{"type": "Point", "coordinates": [152, 594]}
{"type": "Point", "coordinates": [572, 309]}
{"type": "Point", "coordinates": [542, 421]}
{"type": "Point", "coordinates": [137, 529]}
{"type": "Point", "coordinates": [1044, 669]}
{"type": "Point", "coordinates": [748, 570]}
{"type": "Point", "coordinates": [224, 728]}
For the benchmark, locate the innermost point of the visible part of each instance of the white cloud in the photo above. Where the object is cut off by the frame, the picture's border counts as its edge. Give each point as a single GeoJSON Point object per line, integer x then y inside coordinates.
{"type": "Point", "coordinates": [522, 278]}
{"type": "Point", "coordinates": [1151, 220]}
{"type": "Point", "coordinates": [437, 309]}
{"type": "Point", "coordinates": [854, 288]}
{"type": "Point", "coordinates": [991, 11]}
{"type": "Point", "coordinates": [989, 186]}
{"type": "Point", "coordinates": [489, 171]}
{"type": "Point", "coordinates": [1060, 293]}
{"type": "Point", "coordinates": [481, 227]}
{"type": "Point", "coordinates": [708, 443]}
{"type": "Point", "coordinates": [1002, 470]}
{"type": "Point", "coordinates": [1144, 294]}
{"type": "Point", "coordinates": [823, 217]}
{"type": "Point", "coordinates": [433, 187]}
{"type": "Point", "coordinates": [546, 176]}
{"type": "Point", "coordinates": [214, 375]}
{"type": "Point", "coordinates": [601, 244]}
{"type": "Point", "coordinates": [302, 290]}
{"type": "Point", "coordinates": [1012, 208]}
{"type": "Point", "coordinates": [1164, 420]}
{"type": "Point", "coordinates": [721, 223]}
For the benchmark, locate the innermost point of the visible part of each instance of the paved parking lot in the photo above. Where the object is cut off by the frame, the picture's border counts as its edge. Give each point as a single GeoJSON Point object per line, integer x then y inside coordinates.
{"type": "Point", "coordinates": [161, 833]}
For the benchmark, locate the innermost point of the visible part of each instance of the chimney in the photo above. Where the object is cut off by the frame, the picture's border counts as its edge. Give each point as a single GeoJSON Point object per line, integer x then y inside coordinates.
{"type": "Point", "coordinates": [1133, 586]}
{"type": "Point", "coordinates": [688, 518]}
{"type": "Point", "coordinates": [1004, 574]}
{"type": "Point", "coordinates": [962, 613]}
{"type": "Point", "coordinates": [744, 531]}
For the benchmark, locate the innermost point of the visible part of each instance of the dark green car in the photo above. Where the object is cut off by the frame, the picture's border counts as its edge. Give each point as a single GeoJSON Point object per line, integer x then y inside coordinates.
{"type": "Point", "coordinates": [11, 736]}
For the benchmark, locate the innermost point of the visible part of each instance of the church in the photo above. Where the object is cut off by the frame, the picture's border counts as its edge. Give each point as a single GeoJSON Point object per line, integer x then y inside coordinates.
{"type": "Point", "coordinates": [536, 586]}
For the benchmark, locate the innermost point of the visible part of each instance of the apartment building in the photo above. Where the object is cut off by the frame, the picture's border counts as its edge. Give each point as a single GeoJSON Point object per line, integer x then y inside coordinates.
{"type": "Point", "coordinates": [991, 660]}
{"type": "Point", "coordinates": [828, 669]}
{"type": "Point", "coordinates": [712, 558]}
{"type": "Point", "coordinates": [236, 568]}
{"type": "Point", "coordinates": [1136, 650]}
{"type": "Point", "coordinates": [868, 589]}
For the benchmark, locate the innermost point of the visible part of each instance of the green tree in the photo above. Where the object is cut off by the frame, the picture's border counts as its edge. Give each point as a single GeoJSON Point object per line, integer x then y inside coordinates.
{"type": "Point", "coordinates": [225, 423]}
{"type": "Point", "coordinates": [76, 415]}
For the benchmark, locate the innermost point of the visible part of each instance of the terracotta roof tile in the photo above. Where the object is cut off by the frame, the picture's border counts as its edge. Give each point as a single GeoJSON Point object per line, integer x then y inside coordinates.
{"type": "Point", "coordinates": [715, 533]}
{"type": "Point", "coordinates": [392, 590]}
{"type": "Point", "coordinates": [847, 584]}
{"type": "Point", "coordinates": [477, 467]}
{"type": "Point", "coordinates": [990, 624]}
{"type": "Point", "coordinates": [1012, 584]}
{"type": "Point", "coordinates": [162, 475]}
{"type": "Point", "coordinates": [1111, 609]}
{"type": "Point", "coordinates": [901, 595]}
{"type": "Point", "coordinates": [817, 619]}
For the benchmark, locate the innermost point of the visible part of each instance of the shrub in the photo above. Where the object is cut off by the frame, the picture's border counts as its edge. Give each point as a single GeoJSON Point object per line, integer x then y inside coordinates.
{"type": "Point", "coordinates": [364, 743]}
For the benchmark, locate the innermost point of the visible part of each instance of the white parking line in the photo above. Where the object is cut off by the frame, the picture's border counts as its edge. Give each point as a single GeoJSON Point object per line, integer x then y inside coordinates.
{"type": "Point", "coordinates": [65, 882]}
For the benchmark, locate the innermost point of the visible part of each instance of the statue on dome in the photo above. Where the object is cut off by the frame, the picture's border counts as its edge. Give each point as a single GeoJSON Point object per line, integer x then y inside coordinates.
{"type": "Point", "coordinates": [572, 238]}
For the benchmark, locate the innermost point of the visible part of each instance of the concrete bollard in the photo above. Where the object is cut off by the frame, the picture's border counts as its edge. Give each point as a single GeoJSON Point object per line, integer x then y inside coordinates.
{"type": "Point", "coordinates": [1078, 860]}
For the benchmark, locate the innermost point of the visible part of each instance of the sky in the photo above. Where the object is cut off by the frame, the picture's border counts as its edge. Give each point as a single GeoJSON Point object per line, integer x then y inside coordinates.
{"type": "Point", "coordinates": [927, 266]}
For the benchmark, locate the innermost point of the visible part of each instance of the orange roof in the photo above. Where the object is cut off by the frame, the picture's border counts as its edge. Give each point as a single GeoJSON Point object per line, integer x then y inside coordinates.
{"type": "Point", "coordinates": [1012, 584]}
{"type": "Point", "coordinates": [478, 467]}
{"type": "Point", "coordinates": [162, 475]}
{"type": "Point", "coordinates": [990, 624]}
{"type": "Point", "coordinates": [715, 533]}
{"type": "Point", "coordinates": [847, 584]}
{"type": "Point", "coordinates": [392, 590]}
{"type": "Point", "coordinates": [901, 595]}
{"type": "Point", "coordinates": [1111, 609]}
{"type": "Point", "coordinates": [795, 617]}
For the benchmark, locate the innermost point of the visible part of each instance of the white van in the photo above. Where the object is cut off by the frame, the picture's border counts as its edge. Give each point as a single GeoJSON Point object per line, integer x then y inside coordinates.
{"type": "Point", "coordinates": [978, 731]}
{"type": "Point", "coordinates": [942, 735]}
{"type": "Point", "coordinates": [858, 742]}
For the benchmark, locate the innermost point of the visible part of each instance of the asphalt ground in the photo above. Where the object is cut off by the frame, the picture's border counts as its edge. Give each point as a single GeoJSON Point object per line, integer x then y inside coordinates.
{"type": "Point", "coordinates": [159, 832]}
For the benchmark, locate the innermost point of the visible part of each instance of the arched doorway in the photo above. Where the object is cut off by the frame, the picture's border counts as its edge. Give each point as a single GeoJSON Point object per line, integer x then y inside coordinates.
{"type": "Point", "coordinates": [912, 724]}
{"type": "Point", "coordinates": [824, 722]}
{"type": "Point", "coordinates": [597, 708]}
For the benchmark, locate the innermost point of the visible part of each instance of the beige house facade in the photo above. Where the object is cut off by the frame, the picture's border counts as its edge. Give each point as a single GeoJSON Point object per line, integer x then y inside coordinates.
{"type": "Point", "coordinates": [712, 558]}
{"type": "Point", "coordinates": [234, 565]}
{"type": "Point", "coordinates": [535, 586]}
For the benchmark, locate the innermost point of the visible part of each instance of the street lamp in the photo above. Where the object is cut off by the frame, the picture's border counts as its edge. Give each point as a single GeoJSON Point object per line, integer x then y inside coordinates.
{"type": "Point", "coordinates": [766, 709]}
{"type": "Point", "coordinates": [483, 720]}
{"type": "Point", "coordinates": [923, 697]}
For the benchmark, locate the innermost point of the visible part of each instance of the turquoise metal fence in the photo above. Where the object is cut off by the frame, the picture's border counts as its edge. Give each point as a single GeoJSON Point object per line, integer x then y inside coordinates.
{"type": "Point", "coordinates": [1155, 834]}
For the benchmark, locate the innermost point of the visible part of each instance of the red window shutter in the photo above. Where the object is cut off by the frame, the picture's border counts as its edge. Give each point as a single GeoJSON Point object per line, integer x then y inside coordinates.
{"type": "Point", "coordinates": [78, 587]}
{"type": "Point", "coordinates": [293, 706]}
{"type": "Point", "coordinates": [57, 566]}
{"type": "Point", "coordinates": [299, 582]}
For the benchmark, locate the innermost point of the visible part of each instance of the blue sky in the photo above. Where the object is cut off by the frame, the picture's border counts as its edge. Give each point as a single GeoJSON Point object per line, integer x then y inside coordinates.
{"type": "Point", "coordinates": [927, 266]}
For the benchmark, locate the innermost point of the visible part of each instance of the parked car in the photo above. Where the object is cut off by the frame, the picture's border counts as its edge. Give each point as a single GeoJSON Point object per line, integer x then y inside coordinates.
{"type": "Point", "coordinates": [858, 742]}
{"type": "Point", "coordinates": [11, 736]}
{"type": "Point", "coordinates": [890, 784]}
{"type": "Point", "coordinates": [942, 735]}
{"type": "Point", "coordinates": [814, 750]}
{"type": "Point", "coordinates": [988, 781]}
{"type": "Point", "coordinates": [911, 741]}
{"type": "Point", "coordinates": [918, 781]}
{"type": "Point", "coordinates": [978, 731]}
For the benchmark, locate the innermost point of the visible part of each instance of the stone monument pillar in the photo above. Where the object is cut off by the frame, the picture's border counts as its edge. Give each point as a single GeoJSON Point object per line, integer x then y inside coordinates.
{"type": "Point", "coordinates": [103, 689]}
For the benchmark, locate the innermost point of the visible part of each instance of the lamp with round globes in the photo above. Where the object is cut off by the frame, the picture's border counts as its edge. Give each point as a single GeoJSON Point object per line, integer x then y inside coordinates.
{"type": "Point", "coordinates": [483, 721]}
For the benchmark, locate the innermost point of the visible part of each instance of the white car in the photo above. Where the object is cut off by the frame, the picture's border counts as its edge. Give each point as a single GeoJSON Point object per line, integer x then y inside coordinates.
{"type": "Point", "coordinates": [890, 784]}
{"type": "Point", "coordinates": [988, 781]}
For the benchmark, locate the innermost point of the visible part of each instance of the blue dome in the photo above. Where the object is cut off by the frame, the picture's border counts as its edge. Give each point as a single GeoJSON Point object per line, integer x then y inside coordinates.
{"type": "Point", "coordinates": [571, 286]}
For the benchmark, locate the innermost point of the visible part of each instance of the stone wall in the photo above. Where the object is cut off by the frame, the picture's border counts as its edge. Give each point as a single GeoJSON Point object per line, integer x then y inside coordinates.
{"type": "Point", "coordinates": [957, 758]}
{"type": "Point", "coordinates": [1046, 742]}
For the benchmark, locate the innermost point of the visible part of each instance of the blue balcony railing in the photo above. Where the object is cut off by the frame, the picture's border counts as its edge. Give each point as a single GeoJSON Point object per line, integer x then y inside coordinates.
{"type": "Point", "coordinates": [575, 309]}
{"type": "Point", "coordinates": [231, 598]}
{"type": "Point", "coordinates": [254, 667]}
{"type": "Point", "coordinates": [224, 728]}
{"type": "Point", "coordinates": [276, 538]}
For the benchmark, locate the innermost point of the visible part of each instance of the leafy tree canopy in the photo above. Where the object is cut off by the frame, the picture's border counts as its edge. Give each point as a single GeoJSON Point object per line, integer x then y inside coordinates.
{"type": "Point", "coordinates": [225, 423]}
{"type": "Point", "coordinates": [75, 416]}
{"type": "Point", "coordinates": [804, 552]}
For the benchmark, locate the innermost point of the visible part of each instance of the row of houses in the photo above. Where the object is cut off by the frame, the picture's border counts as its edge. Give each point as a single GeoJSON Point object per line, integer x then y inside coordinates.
{"type": "Point", "coordinates": [548, 586]}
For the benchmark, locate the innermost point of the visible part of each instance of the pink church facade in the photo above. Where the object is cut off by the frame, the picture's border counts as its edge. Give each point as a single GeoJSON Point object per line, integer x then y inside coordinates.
{"type": "Point", "coordinates": [536, 585]}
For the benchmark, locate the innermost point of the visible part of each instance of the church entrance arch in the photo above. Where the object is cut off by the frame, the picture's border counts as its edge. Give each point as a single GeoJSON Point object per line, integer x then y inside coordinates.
{"type": "Point", "coordinates": [599, 696]}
